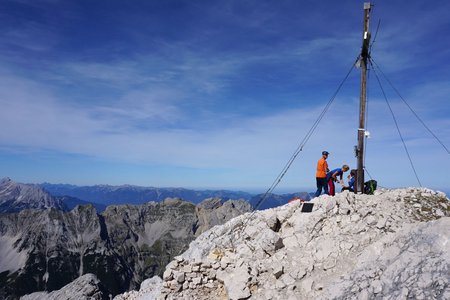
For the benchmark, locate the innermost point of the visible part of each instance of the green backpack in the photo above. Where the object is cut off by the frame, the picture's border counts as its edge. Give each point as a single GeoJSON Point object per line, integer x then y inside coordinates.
{"type": "Point", "coordinates": [370, 186]}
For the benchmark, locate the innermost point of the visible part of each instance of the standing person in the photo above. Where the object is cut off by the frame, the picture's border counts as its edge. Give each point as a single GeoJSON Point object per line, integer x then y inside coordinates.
{"type": "Point", "coordinates": [332, 177]}
{"type": "Point", "coordinates": [321, 174]}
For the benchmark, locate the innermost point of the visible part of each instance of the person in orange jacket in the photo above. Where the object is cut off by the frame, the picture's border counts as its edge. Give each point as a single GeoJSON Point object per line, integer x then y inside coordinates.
{"type": "Point", "coordinates": [321, 174]}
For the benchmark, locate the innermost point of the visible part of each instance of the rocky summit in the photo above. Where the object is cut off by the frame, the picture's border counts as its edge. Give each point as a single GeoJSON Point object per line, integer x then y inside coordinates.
{"type": "Point", "coordinates": [391, 245]}
{"type": "Point", "coordinates": [44, 250]}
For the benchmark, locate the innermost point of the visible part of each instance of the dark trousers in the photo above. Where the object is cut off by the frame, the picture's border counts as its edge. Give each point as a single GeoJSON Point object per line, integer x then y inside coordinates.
{"type": "Point", "coordinates": [321, 183]}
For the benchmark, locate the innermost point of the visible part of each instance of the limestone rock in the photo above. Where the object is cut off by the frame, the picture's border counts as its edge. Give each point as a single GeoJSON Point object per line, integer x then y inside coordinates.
{"type": "Point", "coordinates": [150, 289]}
{"type": "Point", "coordinates": [349, 247]}
{"type": "Point", "coordinates": [236, 284]}
{"type": "Point", "coordinates": [278, 271]}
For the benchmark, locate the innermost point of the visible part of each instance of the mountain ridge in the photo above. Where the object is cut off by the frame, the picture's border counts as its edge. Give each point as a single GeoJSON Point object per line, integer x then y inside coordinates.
{"type": "Point", "coordinates": [67, 196]}
{"type": "Point", "coordinates": [18, 196]}
{"type": "Point", "coordinates": [45, 249]}
{"type": "Point", "coordinates": [132, 194]}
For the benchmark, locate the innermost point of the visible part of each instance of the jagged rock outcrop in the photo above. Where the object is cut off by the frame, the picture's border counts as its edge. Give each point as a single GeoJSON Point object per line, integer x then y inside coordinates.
{"type": "Point", "coordinates": [15, 197]}
{"type": "Point", "coordinates": [47, 249]}
{"type": "Point", "coordinates": [86, 287]}
{"type": "Point", "coordinates": [392, 245]}
{"type": "Point", "coordinates": [150, 289]}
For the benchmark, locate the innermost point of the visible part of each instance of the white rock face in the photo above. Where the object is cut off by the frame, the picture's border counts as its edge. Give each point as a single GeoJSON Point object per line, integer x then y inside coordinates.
{"type": "Point", "coordinates": [392, 245]}
{"type": "Point", "coordinates": [85, 287]}
{"type": "Point", "coordinates": [414, 262]}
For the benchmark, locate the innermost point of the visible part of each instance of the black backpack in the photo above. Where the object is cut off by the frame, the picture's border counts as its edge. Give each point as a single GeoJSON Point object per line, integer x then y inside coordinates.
{"type": "Point", "coordinates": [370, 186]}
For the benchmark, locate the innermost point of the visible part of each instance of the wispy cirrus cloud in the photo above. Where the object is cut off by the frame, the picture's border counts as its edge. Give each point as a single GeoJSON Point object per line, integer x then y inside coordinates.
{"type": "Point", "coordinates": [144, 132]}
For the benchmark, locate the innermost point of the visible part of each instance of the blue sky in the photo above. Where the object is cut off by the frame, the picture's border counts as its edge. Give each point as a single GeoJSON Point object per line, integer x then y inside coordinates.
{"type": "Point", "coordinates": [216, 94]}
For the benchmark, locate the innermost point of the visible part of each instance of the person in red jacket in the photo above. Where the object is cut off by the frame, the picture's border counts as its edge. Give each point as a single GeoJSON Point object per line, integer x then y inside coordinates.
{"type": "Point", "coordinates": [321, 174]}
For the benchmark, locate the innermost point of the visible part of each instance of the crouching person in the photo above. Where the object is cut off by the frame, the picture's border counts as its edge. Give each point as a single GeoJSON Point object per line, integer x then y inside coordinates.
{"type": "Point", "coordinates": [351, 181]}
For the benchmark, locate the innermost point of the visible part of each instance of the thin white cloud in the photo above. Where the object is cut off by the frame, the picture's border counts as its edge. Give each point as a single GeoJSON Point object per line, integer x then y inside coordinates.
{"type": "Point", "coordinates": [189, 72]}
{"type": "Point", "coordinates": [115, 73]}
{"type": "Point", "coordinates": [36, 119]}
{"type": "Point", "coordinates": [30, 36]}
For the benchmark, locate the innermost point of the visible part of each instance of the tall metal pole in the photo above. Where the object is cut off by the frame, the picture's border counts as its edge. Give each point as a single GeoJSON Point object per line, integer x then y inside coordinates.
{"type": "Point", "coordinates": [362, 103]}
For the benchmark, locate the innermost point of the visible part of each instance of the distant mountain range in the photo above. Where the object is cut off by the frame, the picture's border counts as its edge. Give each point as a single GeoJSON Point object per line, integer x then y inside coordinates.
{"type": "Point", "coordinates": [129, 194]}
{"type": "Point", "coordinates": [15, 197]}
